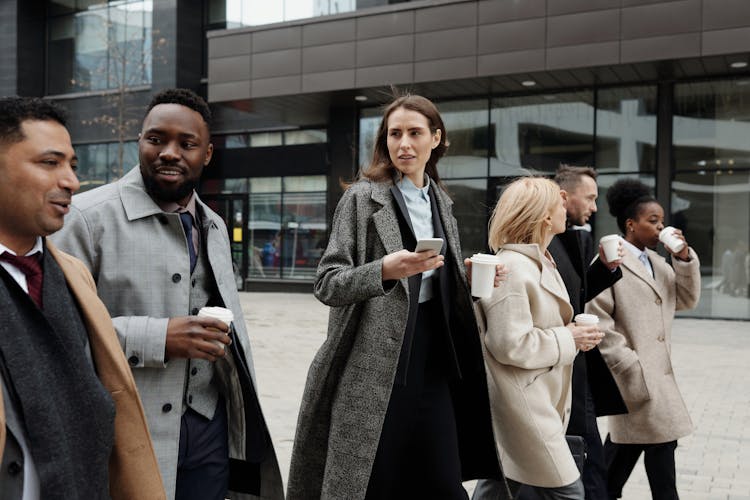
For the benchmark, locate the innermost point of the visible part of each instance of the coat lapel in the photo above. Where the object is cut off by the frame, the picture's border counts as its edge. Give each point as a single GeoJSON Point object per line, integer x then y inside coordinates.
{"type": "Point", "coordinates": [385, 219]}
{"type": "Point", "coordinates": [636, 267]}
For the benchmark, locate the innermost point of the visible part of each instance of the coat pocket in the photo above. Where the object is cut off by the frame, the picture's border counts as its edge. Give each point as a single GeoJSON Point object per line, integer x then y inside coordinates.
{"type": "Point", "coordinates": [632, 384]}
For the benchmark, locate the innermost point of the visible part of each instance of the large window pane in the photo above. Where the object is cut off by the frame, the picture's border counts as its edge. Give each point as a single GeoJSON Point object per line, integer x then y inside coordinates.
{"type": "Point", "coordinates": [626, 129]}
{"type": "Point", "coordinates": [99, 46]}
{"type": "Point", "coordinates": [538, 132]}
{"type": "Point", "coordinates": [471, 213]}
{"type": "Point", "coordinates": [264, 225]}
{"type": "Point", "coordinates": [466, 123]}
{"type": "Point", "coordinates": [711, 189]}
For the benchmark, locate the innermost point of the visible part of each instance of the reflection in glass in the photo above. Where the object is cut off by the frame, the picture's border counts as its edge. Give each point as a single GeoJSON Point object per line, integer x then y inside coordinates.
{"type": "Point", "coordinates": [98, 164]}
{"type": "Point", "coordinates": [100, 47]}
{"type": "Point", "coordinates": [466, 123]}
{"type": "Point", "coordinates": [538, 132]}
{"type": "Point", "coordinates": [308, 136]}
{"type": "Point", "coordinates": [626, 129]}
{"type": "Point", "coordinates": [368, 129]}
{"type": "Point", "coordinates": [236, 13]}
{"type": "Point", "coordinates": [471, 213]}
{"type": "Point", "coordinates": [711, 127]}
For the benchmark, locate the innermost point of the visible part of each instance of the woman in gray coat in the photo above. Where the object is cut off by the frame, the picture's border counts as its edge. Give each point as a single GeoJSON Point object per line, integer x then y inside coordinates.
{"type": "Point", "coordinates": [636, 315]}
{"type": "Point", "coordinates": [395, 404]}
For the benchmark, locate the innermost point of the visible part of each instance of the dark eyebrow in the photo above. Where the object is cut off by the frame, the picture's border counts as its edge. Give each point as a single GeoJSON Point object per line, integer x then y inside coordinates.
{"type": "Point", "coordinates": [53, 152]}
{"type": "Point", "coordinates": [183, 135]}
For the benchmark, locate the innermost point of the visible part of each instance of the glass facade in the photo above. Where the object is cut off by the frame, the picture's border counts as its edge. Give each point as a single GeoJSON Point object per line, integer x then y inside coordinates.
{"type": "Point", "coordinates": [98, 45]}
{"type": "Point", "coordinates": [711, 189]}
{"type": "Point", "coordinates": [237, 13]}
{"type": "Point", "coordinates": [102, 163]}
{"type": "Point", "coordinates": [614, 129]}
{"type": "Point", "coordinates": [285, 230]}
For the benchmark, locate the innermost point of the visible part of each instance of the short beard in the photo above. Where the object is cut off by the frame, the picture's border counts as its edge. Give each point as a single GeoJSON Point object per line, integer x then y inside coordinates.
{"type": "Point", "coordinates": [176, 194]}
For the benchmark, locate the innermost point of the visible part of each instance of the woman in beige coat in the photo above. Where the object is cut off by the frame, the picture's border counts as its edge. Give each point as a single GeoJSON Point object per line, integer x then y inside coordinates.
{"type": "Point", "coordinates": [636, 315]}
{"type": "Point", "coordinates": [529, 343]}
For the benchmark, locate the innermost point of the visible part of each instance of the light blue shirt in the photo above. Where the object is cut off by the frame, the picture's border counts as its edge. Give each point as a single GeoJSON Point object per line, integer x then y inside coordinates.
{"type": "Point", "coordinates": [420, 212]}
{"type": "Point", "coordinates": [641, 255]}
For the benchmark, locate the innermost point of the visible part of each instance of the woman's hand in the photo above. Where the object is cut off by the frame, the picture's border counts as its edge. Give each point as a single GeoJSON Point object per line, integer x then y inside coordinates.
{"type": "Point", "coordinates": [586, 337]}
{"type": "Point", "coordinates": [501, 273]}
{"type": "Point", "coordinates": [683, 254]}
{"type": "Point", "coordinates": [404, 263]}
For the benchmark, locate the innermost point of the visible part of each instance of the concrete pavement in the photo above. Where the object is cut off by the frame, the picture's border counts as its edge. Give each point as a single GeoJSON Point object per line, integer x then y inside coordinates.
{"type": "Point", "coordinates": [710, 361]}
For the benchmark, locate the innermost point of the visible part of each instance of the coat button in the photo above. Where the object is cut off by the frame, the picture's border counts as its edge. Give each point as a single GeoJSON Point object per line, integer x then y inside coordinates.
{"type": "Point", "coordinates": [166, 408]}
{"type": "Point", "coordinates": [176, 278]}
{"type": "Point", "coordinates": [660, 338]}
{"type": "Point", "coordinates": [193, 371]}
{"type": "Point", "coordinates": [163, 219]}
{"type": "Point", "coordinates": [133, 360]}
{"type": "Point", "coordinates": [194, 311]}
{"type": "Point", "coordinates": [192, 283]}
{"type": "Point", "coordinates": [14, 468]}
{"type": "Point", "coordinates": [190, 399]}
{"type": "Point", "coordinates": [658, 301]}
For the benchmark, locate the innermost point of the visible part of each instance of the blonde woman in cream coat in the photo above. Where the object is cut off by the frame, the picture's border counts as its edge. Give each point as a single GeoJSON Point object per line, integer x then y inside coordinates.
{"type": "Point", "coordinates": [529, 343]}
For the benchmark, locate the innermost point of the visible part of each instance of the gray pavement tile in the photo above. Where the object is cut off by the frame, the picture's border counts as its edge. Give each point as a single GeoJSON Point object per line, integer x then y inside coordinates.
{"type": "Point", "coordinates": [710, 359]}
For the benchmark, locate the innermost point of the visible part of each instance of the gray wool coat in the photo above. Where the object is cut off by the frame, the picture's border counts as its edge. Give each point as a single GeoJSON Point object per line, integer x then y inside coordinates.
{"type": "Point", "coordinates": [138, 256]}
{"type": "Point", "coordinates": [636, 317]}
{"type": "Point", "coordinates": [350, 379]}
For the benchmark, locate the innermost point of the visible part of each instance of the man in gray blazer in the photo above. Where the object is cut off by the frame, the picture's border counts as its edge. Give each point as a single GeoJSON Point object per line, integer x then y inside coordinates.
{"type": "Point", "coordinates": [158, 254]}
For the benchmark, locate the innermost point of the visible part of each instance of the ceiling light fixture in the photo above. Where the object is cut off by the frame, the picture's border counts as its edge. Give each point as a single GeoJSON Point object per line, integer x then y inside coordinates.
{"type": "Point", "coordinates": [738, 64]}
{"type": "Point", "coordinates": [528, 83]}
{"type": "Point", "coordinates": [360, 98]}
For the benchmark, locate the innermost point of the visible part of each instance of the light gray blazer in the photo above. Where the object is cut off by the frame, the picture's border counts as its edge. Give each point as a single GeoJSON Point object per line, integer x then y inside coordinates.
{"type": "Point", "coordinates": [138, 257]}
{"type": "Point", "coordinates": [636, 316]}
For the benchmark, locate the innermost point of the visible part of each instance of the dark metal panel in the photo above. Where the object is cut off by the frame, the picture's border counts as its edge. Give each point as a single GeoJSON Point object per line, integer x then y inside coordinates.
{"type": "Point", "coordinates": [303, 159]}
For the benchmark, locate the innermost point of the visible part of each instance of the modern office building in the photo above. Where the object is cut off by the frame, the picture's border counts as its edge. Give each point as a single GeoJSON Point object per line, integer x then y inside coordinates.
{"type": "Point", "coordinates": [654, 89]}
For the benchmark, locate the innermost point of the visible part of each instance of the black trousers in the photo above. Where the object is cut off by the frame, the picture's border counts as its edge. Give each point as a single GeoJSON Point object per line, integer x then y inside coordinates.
{"type": "Point", "coordinates": [417, 454]}
{"type": "Point", "coordinates": [658, 460]}
{"type": "Point", "coordinates": [203, 459]}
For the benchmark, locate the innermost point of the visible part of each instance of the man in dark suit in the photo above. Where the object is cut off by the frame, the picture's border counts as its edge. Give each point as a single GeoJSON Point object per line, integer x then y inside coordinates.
{"type": "Point", "coordinates": [594, 390]}
{"type": "Point", "coordinates": [62, 434]}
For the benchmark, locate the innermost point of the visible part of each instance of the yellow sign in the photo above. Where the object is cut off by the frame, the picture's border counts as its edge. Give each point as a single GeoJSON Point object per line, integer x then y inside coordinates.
{"type": "Point", "coordinates": [237, 234]}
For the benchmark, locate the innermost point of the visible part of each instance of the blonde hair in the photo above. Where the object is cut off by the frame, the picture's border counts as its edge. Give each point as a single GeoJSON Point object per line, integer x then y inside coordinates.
{"type": "Point", "coordinates": [521, 210]}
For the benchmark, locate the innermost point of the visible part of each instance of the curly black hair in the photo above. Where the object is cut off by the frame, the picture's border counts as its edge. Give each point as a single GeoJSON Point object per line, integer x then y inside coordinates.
{"type": "Point", "coordinates": [15, 110]}
{"type": "Point", "coordinates": [183, 97]}
{"type": "Point", "coordinates": [625, 198]}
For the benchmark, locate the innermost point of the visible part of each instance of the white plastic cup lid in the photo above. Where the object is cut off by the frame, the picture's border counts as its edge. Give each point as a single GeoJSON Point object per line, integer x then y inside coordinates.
{"type": "Point", "coordinates": [586, 319]}
{"type": "Point", "coordinates": [220, 313]}
{"type": "Point", "coordinates": [609, 237]}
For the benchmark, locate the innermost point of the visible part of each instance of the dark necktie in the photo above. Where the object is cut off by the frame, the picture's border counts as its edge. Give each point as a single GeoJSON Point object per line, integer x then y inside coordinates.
{"type": "Point", "coordinates": [187, 224]}
{"type": "Point", "coordinates": [31, 266]}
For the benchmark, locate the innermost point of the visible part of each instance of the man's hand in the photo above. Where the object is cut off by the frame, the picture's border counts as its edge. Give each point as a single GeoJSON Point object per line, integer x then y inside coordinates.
{"type": "Point", "coordinates": [404, 263]}
{"type": "Point", "coordinates": [615, 263]}
{"type": "Point", "coordinates": [501, 273]}
{"type": "Point", "coordinates": [195, 337]}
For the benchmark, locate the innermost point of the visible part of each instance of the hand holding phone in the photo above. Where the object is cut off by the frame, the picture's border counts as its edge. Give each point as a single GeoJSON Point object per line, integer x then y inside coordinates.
{"type": "Point", "coordinates": [425, 244]}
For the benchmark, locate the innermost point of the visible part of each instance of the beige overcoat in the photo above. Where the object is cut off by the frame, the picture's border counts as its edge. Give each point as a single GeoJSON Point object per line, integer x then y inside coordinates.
{"type": "Point", "coordinates": [636, 316]}
{"type": "Point", "coordinates": [133, 470]}
{"type": "Point", "coordinates": [529, 357]}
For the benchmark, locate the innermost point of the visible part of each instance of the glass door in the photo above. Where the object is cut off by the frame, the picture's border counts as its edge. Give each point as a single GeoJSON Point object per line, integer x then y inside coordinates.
{"type": "Point", "coordinates": [233, 209]}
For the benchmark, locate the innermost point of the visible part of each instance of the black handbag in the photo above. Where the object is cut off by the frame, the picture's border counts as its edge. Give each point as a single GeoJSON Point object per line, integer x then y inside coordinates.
{"type": "Point", "coordinates": [577, 447]}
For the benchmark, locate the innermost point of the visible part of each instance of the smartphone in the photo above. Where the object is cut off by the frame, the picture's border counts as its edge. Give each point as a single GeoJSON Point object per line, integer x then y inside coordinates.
{"type": "Point", "coordinates": [425, 244]}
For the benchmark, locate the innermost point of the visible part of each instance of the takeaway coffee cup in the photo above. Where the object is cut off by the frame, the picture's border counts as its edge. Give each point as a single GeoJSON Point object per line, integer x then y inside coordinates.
{"type": "Point", "coordinates": [220, 313]}
{"type": "Point", "coordinates": [671, 241]}
{"type": "Point", "coordinates": [611, 245]}
{"type": "Point", "coordinates": [483, 274]}
{"type": "Point", "coordinates": [586, 319]}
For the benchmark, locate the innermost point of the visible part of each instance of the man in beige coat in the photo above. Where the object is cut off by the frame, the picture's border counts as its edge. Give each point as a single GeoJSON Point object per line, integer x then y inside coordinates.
{"type": "Point", "coordinates": [71, 423]}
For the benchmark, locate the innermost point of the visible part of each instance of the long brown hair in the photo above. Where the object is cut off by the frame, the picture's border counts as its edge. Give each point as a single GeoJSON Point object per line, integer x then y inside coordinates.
{"type": "Point", "coordinates": [381, 168]}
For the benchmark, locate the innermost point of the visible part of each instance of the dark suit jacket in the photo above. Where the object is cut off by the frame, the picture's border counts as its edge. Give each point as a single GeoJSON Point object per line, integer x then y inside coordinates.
{"type": "Point", "coordinates": [573, 252]}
